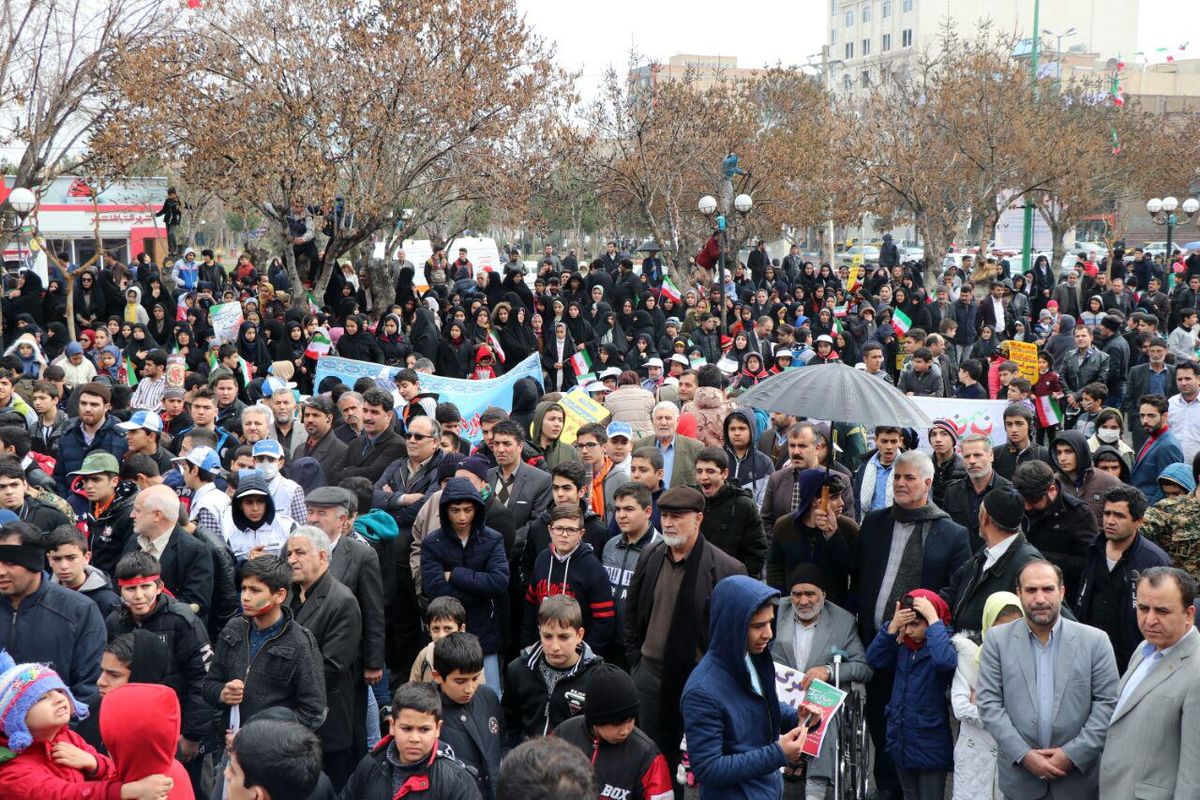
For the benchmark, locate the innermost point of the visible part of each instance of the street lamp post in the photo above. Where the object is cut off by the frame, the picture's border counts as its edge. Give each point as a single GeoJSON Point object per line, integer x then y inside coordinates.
{"type": "Point", "coordinates": [707, 206]}
{"type": "Point", "coordinates": [22, 202]}
{"type": "Point", "coordinates": [1069, 32]}
{"type": "Point", "coordinates": [1163, 212]}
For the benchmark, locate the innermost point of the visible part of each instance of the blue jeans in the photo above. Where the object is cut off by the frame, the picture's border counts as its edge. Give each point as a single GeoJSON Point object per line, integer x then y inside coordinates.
{"type": "Point", "coordinates": [491, 672]}
{"type": "Point", "coordinates": [374, 733]}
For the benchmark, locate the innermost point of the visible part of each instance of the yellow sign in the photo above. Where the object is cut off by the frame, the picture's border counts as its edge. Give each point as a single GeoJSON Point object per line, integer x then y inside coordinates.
{"type": "Point", "coordinates": [580, 410]}
{"type": "Point", "coordinates": [852, 277]}
{"type": "Point", "coordinates": [1024, 355]}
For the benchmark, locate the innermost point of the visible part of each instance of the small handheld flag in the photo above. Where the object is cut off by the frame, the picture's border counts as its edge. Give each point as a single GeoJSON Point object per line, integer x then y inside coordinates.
{"type": "Point", "coordinates": [1048, 411]}
{"type": "Point", "coordinates": [581, 362]}
{"type": "Point", "coordinates": [670, 290]}
{"type": "Point", "coordinates": [901, 322]}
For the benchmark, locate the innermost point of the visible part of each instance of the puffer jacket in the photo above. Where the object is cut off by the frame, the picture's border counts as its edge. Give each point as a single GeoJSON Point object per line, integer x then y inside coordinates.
{"type": "Point", "coordinates": [478, 569]}
{"type": "Point", "coordinates": [752, 471]}
{"type": "Point", "coordinates": [732, 523]}
{"type": "Point", "coordinates": [72, 448]}
{"type": "Point", "coordinates": [733, 730]}
{"type": "Point", "coordinates": [634, 405]}
{"type": "Point", "coordinates": [710, 409]}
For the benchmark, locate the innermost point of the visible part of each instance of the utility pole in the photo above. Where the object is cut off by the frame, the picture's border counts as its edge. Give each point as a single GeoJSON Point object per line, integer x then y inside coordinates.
{"type": "Point", "coordinates": [826, 74]}
{"type": "Point", "coordinates": [1027, 240]}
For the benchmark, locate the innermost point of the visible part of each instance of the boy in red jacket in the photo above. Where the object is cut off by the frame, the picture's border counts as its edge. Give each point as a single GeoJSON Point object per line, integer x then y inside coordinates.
{"type": "Point", "coordinates": [41, 757]}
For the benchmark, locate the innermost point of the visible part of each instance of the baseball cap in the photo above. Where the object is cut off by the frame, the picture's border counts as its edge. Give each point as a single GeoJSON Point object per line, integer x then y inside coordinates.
{"type": "Point", "coordinates": [681, 359]}
{"type": "Point", "coordinates": [97, 463]}
{"type": "Point", "coordinates": [268, 447]}
{"type": "Point", "coordinates": [611, 372]}
{"type": "Point", "coordinates": [142, 420]}
{"type": "Point", "coordinates": [203, 457]}
{"type": "Point", "coordinates": [654, 362]}
{"type": "Point", "coordinates": [620, 429]}
{"type": "Point", "coordinates": [825, 337]}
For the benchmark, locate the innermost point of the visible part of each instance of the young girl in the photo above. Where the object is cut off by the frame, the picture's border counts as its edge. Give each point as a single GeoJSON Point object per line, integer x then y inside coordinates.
{"type": "Point", "coordinates": [916, 644]}
{"type": "Point", "coordinates": [753, 370]}
{"type": "Point", "coordinates": [975, 751]}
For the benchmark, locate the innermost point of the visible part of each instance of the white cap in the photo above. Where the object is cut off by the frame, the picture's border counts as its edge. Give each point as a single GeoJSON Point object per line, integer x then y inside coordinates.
{"type": "Point", "coordinates": [654, 362]}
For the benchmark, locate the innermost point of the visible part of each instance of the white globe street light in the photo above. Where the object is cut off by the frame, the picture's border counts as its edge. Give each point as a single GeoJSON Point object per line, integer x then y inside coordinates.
{"type": "Point", "coordinates": [1154, 205]}
{"type": "Point", "coordinates": [1191, 206]}
{"type": "Point", "coordinates": [1169, 204]}
{"type": "Point", "coordinates": [22, 201]}
{"type": "Point", "coordinates": [707, 205]}
{"type": "Point", "coordinates": [743, 203]}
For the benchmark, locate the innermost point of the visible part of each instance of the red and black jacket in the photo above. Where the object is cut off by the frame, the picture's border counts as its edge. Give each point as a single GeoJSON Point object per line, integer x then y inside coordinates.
{"type": "Point", "coordinates": [633, 769]}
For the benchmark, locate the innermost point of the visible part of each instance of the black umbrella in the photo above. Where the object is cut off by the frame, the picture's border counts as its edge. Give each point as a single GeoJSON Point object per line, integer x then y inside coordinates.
{"type": "Point", "coordinates": [837, 392]}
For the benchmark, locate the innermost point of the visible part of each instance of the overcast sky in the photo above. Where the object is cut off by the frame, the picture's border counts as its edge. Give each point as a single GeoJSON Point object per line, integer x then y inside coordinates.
{"type": "Point", "coordinates": [592, 37]}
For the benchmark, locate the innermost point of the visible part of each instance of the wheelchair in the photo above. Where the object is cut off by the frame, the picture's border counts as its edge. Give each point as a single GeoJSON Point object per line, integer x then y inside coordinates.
{"type": "Point", "coordinates": [852, 759]}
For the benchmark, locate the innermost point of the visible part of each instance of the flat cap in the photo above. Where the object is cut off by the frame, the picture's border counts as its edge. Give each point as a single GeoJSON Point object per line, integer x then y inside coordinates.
{"type": "Point", "coordinates": [681, 498]}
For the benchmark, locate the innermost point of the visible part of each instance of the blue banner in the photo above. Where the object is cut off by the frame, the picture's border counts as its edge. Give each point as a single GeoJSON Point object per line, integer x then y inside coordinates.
{"type": "Point", "coordinates": [471, 397]}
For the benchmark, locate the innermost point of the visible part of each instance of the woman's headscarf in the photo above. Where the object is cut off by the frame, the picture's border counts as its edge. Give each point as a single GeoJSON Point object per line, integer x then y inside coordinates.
{"type": "Point", "coordinates": [939, 605]}
{"type": "Point", "coordinates": [993, 607]}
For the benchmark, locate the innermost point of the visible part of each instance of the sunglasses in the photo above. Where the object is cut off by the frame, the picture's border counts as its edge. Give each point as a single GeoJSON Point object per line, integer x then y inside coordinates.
{"type": "Point", "coordinates": [417, 437]}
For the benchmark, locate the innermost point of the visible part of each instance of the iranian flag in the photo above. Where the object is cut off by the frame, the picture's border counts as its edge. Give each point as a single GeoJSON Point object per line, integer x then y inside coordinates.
{"type": "Point", "coordinates": [127, 373]}
{"type": "Point", "coordinates": [901, 322]}
{"type": "Point", "coordinates": [313, 306]}
{"type": "Point", "coordinates": [581, 362]}
{"type": "Point", "coordinates": [670, 290]}
{"type": "Point", "coordinates": [319, 345]}
{"type": "Point", "coordinates": [1048, 411]}
{"type": "Point", "coordinates": [494, 340]}
{"type": "Point", "coordinates": [840, 311]}
{"type": "Point", "coordinates": [839, 327]}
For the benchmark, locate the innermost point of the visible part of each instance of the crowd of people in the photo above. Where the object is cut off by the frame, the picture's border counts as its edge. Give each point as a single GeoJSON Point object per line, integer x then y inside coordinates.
{"type": "Point", "coordinates": [315, 589]}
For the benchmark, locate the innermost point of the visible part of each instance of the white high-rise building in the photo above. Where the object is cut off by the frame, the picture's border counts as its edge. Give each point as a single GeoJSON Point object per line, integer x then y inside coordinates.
{"type": "Point", "coordinates": [867, 38]}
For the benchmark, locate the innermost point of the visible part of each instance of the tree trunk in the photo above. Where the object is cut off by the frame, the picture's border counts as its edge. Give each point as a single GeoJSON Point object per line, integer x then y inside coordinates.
{"type": "Point", "coordinates": [383, 291]}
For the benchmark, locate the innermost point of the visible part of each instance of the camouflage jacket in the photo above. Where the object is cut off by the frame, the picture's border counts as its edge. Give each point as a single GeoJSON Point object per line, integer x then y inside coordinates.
{"type": "Point", "coordinates": [1174, 525]}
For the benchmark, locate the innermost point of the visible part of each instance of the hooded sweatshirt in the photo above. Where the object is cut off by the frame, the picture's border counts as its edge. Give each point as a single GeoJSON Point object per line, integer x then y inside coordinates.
{"type": "Point", "coordinates": [556, 452]}
{"type": "Point", "coordinates": [731, 714]}
{"type": "Point", "coordinates": [140, 726]}
{"type": "Point", "coordinates": [578, 574]}
{"type": "Point", "coordinates": [1088, 484]}
{"type": "Point", "coordinates": [240, 533]}
{"type": "Point", "coordinates": [753, 470]}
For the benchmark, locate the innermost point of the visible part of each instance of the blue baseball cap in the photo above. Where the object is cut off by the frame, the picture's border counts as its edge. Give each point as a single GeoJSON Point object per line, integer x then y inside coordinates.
{"type": "Point", "coordinates": [203, 457]}
{"type": "Point", "coordinates": [143, 420]}
{"type": "Point", "coordinates": [268, 447]}
{"type": "Point", "coordinates": [620, 429]}
{"type": "Point", "coordinates": [272, 385]}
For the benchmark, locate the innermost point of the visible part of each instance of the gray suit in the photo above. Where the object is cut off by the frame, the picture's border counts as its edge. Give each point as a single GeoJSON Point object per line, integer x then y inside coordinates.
{"type": "Point", "coordinates": [1085, 692]}
{"type": "Point", "coordinates": [1153, 747]}
{"type": "Point", "coordinates": [835, 629]}
{"type": "Point", "coordinates": [528, 498]}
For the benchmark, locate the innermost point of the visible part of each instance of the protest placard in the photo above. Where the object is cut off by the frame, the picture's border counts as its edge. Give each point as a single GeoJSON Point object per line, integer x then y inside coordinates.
{"type": "Point", "coordinates": [827, 697]}
{"type": "Point", "coordinates": [580, 410]}
{"type": "Point", "coordinates": [226, 319]}
{"type": "Point", "coordinates": [1024, 355]}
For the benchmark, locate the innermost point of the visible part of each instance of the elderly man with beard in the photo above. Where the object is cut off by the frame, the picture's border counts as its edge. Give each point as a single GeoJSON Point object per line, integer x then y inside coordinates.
{"type": "Point", "coordinates": [809, 629]}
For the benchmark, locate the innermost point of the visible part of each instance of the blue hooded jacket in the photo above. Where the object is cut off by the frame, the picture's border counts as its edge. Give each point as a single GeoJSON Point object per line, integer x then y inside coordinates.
{"type": "Point", "coordinates": [733, 746]}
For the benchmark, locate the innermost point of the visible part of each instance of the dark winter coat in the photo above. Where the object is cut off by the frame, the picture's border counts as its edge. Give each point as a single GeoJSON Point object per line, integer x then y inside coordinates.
{"type": "Point", "coordinates": [330, 612]}
{"type": "Point", "coordinates": [387, 448]}
{"type": "Point", "coordinates": [72, 448]}
{"type": "Point", "coordinates": [529, 712]}
{"type": "Point", "coordinates": [443, 778]}
{"type": "Point", "coordinates": [971, 585]}
{"type": "Point", "coordinates": [187, 641]}
{"type": "Point", "coordinates": [1063, 532]}
{"type": "Point", "coordinates": [111, 531]}
{"type": "Point", "coordinates": [943, 475]}
{"type": "Point", "coordinates": [633, 769]}
{"type": "Point", "coordinates": [732, 523]}
{"type": "Point", "coordinates": [471, 734]}
{"type": "Point", "coordinates": [58, 627]}
{"type": "Point", "coordinates": [732, 730]}
{"type": "Point", "coordinates": [918, 726]}
{"type": "Point", "coordinates": [478, 570]}
{"type": "Point", "coordinates": [187, 569]}
{"type": "Point", "coordinates": [286, 672]}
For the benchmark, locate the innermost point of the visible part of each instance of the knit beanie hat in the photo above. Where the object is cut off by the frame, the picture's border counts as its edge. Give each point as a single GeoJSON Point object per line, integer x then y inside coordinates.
{"type": "Point", "coordinates": [946, 424]}
{"type": "Point", "coordinates": [611, 696]}
{"type": "Point", "coordinates": [22, 685]}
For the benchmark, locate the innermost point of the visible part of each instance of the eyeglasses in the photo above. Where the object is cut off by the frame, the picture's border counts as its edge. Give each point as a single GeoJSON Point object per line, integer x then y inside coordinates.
{"type": "Point", "coordinates": [417, 437]}
{"type": "Point", "coordinates": [586, 445]}
{"type": "Point", "coordinates": [565, 531]}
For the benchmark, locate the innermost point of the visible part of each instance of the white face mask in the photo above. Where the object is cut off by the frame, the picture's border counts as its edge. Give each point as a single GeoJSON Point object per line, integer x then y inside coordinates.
{"type": "Point", "coordinates": [269, 469]}
{"type": "Point", "coordinates": [1108, 435]}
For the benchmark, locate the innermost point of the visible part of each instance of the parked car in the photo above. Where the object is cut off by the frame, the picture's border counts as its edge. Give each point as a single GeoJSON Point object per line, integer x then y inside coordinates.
{"type": "Point", "coordinates": [854, 256]}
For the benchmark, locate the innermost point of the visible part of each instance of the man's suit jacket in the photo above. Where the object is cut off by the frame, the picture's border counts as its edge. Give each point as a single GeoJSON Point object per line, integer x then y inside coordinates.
{"type": "Point", "coordinates": [835, 630]}
{"type": "Point", "coordinates": [987, 314]}
{"type": "Point", "coordinates": [387, 449]}
{"type": "Point", "coordinates": [356, 566]}
{"type": "Point", "coordinates": [528, 498]}
{"type": "Point", "coordinates": [187, 569]}
{"type": "Point", "coordinates": [330, 453]}
{"type": "Point", "coordinates": [1085, 693]}
{"type": "Point", "coordinates": [686, 450]}
{"type": "Point", "coordinates": [1153, 746]}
